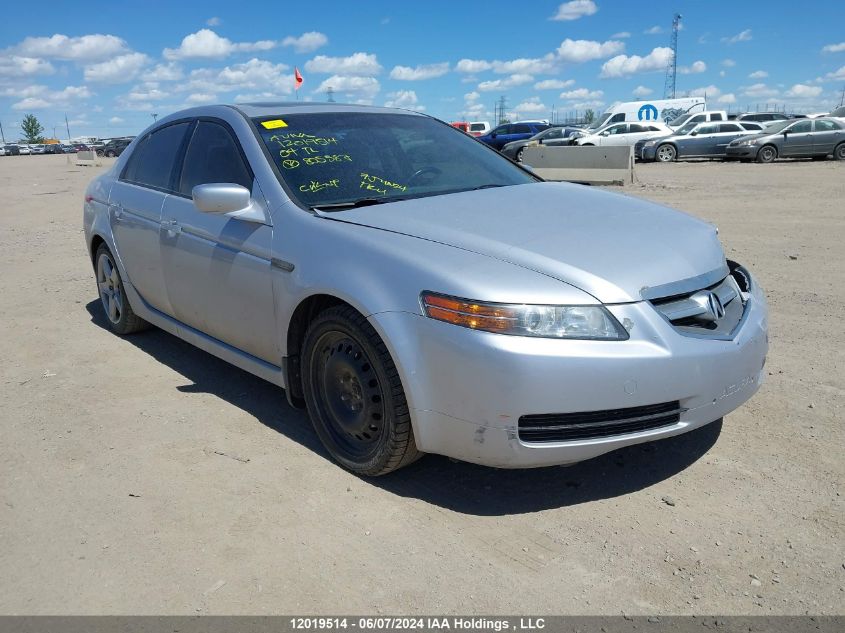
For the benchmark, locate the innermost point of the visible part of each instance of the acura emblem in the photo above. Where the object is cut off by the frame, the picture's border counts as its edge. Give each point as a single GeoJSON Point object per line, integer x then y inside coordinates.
{"type": "Point", "coordinates": [711, 305]}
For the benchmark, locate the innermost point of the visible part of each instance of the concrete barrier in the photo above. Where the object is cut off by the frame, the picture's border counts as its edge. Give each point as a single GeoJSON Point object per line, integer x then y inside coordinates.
{"type": "Point", "coordinates": [87, 157]}
{"type": "Point", "coordinates": [591, 165]}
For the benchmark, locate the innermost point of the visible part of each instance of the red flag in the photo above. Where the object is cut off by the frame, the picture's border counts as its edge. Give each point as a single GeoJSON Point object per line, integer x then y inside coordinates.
{"type": "Point", "coordinates": [297, 77]}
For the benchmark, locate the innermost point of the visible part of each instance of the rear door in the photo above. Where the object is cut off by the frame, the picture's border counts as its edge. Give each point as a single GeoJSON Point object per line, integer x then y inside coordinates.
{"type": "Point", "coordinates": [798, 139]}
{"type": "Point", "coordinates": [217, 267]}
{"type": "Point", "coordinates": [701, 143]}
{"type": "Point", "coordinates": [135, 204]}
{"type": "Point", "coordinates": [827, 134]}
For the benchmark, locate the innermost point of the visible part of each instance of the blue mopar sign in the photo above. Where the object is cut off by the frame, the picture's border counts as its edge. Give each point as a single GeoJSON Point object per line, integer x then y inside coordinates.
{"type": "Point", "coordinates": [647, 112]}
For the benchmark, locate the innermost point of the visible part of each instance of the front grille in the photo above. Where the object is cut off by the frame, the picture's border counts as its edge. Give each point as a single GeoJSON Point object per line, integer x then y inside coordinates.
{"type": "Point", "coordinates": [565, 427]}
{"type": "Point", "coordinates": [691, 315]}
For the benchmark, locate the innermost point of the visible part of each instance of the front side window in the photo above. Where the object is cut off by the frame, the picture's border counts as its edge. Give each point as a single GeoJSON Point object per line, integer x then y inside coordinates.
{"type": "Point", "coordinates": [708, 129]}
{"type": "Point", "coordinates": [213, 156]}
{"type": "Point", "coordinates": [554, 132]}
{"type": "Point", "coordinates": [618, 117]}
{"type": "Point", "coordinates": [802, 127]}
{"type": "Point", "coordinates": [153, 160]}
{"type": "Point", "coordinates": [502, 129]}
{"type": "Point", "coordinates": [341, 158]}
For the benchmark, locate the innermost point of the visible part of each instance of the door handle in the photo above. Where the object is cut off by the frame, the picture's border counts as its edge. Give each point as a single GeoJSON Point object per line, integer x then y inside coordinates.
{"type": "Point", "coordinates": [118, 210]}
{"type": "Point", "coordinates": [172, 227]}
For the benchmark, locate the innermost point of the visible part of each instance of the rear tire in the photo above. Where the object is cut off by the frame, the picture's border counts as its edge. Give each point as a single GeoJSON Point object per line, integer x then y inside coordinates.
{"type": "Point", "coordinates": [767, 154]}
{"type": "Point", "coordinates": [354, 395]}
{"type": "Point", "coordinates": [519, 154]}
{"type": "Point", "coordinates": [119, 314]}
{"type": "Point", "coordinates": [839, 152]}
{"type": "Point", "coordinates": [666, 153]}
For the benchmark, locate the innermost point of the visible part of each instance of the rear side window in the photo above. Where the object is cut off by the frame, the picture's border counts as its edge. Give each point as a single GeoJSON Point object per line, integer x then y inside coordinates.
{"type": "Point", "coordinates": [826, 126]}
{"type": "Point", "coordinates": [213, 156]}
{"type": "Point", "coordinates": [521, 129]}
{"type": "Point", "coordinates": [716, 116]}
{"type": "Point", "coordinates": [152, 162]}
{"type": "Point", "coordinates": [636, 128]}
{"type": "Point", "coordinates": [476, 127]}
{"type": "Point", "coordinates": [729, 127]}
{"type": "Point", "coordinates": [752, 126]}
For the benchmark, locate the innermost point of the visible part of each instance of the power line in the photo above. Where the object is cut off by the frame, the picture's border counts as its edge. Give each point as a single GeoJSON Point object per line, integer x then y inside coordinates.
{"type": "Point", "coordinates": [672, 67]}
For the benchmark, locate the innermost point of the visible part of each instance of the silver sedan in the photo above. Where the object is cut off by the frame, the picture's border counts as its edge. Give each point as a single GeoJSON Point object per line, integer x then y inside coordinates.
{"type": "Point", "coordinates": [416, 291]}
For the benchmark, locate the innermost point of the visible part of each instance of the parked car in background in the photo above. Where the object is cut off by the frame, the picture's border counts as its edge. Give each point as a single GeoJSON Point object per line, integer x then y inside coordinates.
{"type": "Point", "coordinates": [53, 148]}
{"type": "Point", "coordinates": [509, 132]}
{"type": "Point", "coordinates": [80, 147]}
{"type": "Point", "coordinates": [762, 117]}
{"type": "Point", "coordinates": [336, 280]}
{"type": "Point", "coordinates": [463, 126]}
{"type": "Point", "coordinates": [479, 128]}
{"type": "Point", "coordinates": [624, 133]}
{"type": "Point", "coordinates": [38, 148]}
{"type": "Point", "coordinates": [838, 112]}
{"type": "Point", "coordinates": [555, 135]}
{"type": "Point", "coordinates": [12, 149]}
{"type": "Point", "coordinates": [702, 140]}
{"type": "Point", "coordinates": [2, 150]}
{"type": "Point", "coordinates": [114, 147]}
{"type": "Point", "coordinates": [698, 117]}
{"type": "Point", "coordinates": [804, 138]}
{"type": "Point", "coordinates": [68, 149]}
{"type": "Point", "coordinates": [24, 149]}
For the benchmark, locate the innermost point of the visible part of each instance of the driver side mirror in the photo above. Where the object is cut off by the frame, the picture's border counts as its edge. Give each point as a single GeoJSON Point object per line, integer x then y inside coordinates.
{"type": "Point", "coordinates": [694, 133]}
{"type": "Point", "coordinates": [787, 131]}
{"type": "Point", "coordinates": [225, 197]}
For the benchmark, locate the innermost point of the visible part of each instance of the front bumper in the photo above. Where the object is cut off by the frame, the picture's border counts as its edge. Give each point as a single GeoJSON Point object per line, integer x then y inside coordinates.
{"type": "Point", "coordinates": [647, 152]}
{"type": "Point", "coordinates": [741, 151]}
{"type": "Point", "coordinates": [468, 389]}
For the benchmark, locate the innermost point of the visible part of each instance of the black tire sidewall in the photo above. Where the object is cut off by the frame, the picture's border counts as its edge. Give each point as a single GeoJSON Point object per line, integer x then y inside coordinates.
{"type": "Point", "coordinates": [122, 326]}
{"type": "Point", "coordinates": [839, 152]}
{"type": "Point", "coordinates": [333, 322]}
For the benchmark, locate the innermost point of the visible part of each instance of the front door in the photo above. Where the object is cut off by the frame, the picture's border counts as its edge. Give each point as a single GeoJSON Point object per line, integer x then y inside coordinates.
{"type": "Point", "coordinates": [218, 268]}
{"type": "Point", "coordinates": [798, 139]}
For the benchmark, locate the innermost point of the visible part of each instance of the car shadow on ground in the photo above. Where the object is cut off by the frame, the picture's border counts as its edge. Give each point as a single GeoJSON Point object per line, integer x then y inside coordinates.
{"type": "Point", "coordinates": [457, 486]}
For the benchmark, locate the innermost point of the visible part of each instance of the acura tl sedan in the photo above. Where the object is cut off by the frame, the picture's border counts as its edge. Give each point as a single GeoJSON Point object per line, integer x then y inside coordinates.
{"type": "Point", "coordinates": [418, 292]}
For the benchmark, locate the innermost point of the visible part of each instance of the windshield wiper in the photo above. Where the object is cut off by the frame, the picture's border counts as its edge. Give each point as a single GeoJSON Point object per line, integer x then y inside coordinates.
{"type": "Point", "coordinates": [490, 186]}
{"type": "Point", "coordinates": [352, 204]}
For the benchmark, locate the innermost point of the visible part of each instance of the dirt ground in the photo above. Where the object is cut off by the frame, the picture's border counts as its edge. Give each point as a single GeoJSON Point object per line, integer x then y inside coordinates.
{"type": "Point", "coordinates": [141, 475]}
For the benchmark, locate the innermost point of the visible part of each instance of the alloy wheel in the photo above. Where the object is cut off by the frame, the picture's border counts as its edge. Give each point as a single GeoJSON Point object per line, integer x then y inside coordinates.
{"type": "Point", "coordinates": [111, 292]}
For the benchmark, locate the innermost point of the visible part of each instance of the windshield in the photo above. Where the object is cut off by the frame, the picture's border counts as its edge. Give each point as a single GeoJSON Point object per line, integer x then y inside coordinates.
{"type": "Point", "coordinates": [343, 158]}
{"type": "Point", "coordinates": [774, 128]}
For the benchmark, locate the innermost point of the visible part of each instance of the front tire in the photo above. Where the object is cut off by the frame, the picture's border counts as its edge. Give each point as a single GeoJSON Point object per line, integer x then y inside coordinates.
{"type": "Point", "coordinates": [354, 395]}
{"type": "Point", "coordinates": [119, 314]}
{"type": "Point", "coordinates": [666, 153]}
{"type": "Point", "coordinates": [519, 154]}
{"type": "Point", "coordinates": [767, 154]}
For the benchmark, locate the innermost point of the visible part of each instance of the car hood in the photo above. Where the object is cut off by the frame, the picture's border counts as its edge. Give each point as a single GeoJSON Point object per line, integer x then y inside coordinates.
{"type": "Point", "coordinates": [612, 246]}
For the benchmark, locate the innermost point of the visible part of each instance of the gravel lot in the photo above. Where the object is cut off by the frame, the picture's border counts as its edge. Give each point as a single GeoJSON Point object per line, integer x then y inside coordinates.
{"type": "Point", "coordinates": [141, 475]}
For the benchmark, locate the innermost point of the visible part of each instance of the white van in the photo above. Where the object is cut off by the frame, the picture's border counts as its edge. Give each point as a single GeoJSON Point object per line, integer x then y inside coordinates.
{"type": "Point", "coordinates": [656, 110]}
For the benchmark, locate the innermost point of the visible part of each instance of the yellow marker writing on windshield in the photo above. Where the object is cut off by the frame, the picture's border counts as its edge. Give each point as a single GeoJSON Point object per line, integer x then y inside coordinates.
{"type": "Point", "coordinates": [272, 125]}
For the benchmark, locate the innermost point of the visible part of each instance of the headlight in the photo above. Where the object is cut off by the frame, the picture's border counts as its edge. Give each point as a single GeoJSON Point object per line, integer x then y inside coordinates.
{"type": "Point", "coordinates": [746, 143]}
{"type": "Point", "coordinates": [650, 144]}
{"type": "Point", "coordinates": [570, 322]}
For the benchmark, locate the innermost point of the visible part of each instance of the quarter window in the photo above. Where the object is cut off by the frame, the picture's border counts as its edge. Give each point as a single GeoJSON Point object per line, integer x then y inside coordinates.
{"type": "Point", "coordinates": [213, 156]}
{"type": "Point", "coordinates": [152, 162]}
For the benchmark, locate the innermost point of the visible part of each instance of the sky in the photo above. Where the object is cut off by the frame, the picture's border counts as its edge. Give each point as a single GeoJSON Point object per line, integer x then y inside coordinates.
{"type": "Point", "coordinates": [110, 66]}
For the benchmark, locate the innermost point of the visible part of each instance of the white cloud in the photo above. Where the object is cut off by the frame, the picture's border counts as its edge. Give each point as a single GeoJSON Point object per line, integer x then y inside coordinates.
{"type": "Point", "coordinates": [554, 84]}
{"type": "Point", "coordinates": [581, 93]}
{"type": "Point", "coordinates": [164, 72]}
{"type": "Point", "coordinates": [758, 74]}
{"type": "Point", "coordinates": [214, 21]}
{"type": "Point", "coordinates": [69, 96]}
{"type": "Point", "coordinates": [472, 96]}
{"type": "Point", "coordinates": [803, 91]}
{"type": "Point", "coordinates": [641, 91]}
{"type": "Point", "coordinates": [19, 66]}
{"type": "Point", "coordinates": [728, 63]}
{"type": "Point", "coordinates": [472, 66]}
{"type": "Point", "coordinates": [31, 103]}
{"type": "Point", "coordinates": [403, 99]}
{"type": "Point", "coordinates": [427, 71]}
{"type": "Point", "coordinates": [122, 68]}
{"type": "Point", "coordinates": [622, 35]}
{"type": "Point", "coordinates": [504, 84]}
{"type": "Point", "coordinates": [574, 10]}
{"type": "Point", "coordinates": [623, 65]}
{"type": "Point", "coordinates": [525, 65]}
{"type": "Point", "coordinates": [365, 87]}
{"type": "Point", "coordinates": [696, 67]}
{"type": "Point", "coordinates": [145, 93]}
{"type": "Point", "coordinates": [206, 44]}
{"type": "Point", "coordinates": [742, 36]}
{"type": "Point", "coordinates": [307, 42]}
{"type": "Point", "coordinates": [86, 48]}
{"type": "Point", "coordinates": [836, 75]}
{"type": "Point", "coordinates": [727, 98]}
{"type": "Point", "coordinates": [834, 48]}
{"type": "Point", "coordinates": [115, 120]}
{"type": "Point", "coordinates": [255, 75]}
{"type": "Point", "coordinates": [759, 90]}
{"type": "Point", "coordinates": [577, 51]}
{"type": "Point", "coordinates": [705, 91]}
{"type": "Point", "coordinates": [355, 64]}
{"type": "Point", "coordinates": [722, 73]}
{"type": "Point", "coordinates": [531, 106]}
{"type": "Point", "coordinates": [655, 30]}
{"type": "Point", "coordinates": [201, 97]}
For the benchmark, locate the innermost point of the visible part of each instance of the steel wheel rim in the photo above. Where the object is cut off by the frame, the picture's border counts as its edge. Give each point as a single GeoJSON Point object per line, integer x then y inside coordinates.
{"type": "Point", "coordinates": [348, 394]}
{"type": "Point", "coordinates": [111, 292]}
{"type": "Point", "coordinates": [665, 154]}
{"type": "Point", "coordinates": [768, 153]}
{"type": "Point", "coordinates": [519, 155]}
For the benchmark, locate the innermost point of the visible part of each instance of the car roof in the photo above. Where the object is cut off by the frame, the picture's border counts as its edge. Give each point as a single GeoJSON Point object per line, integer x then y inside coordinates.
{"type": "Point", "coordinates": [270, 108]}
